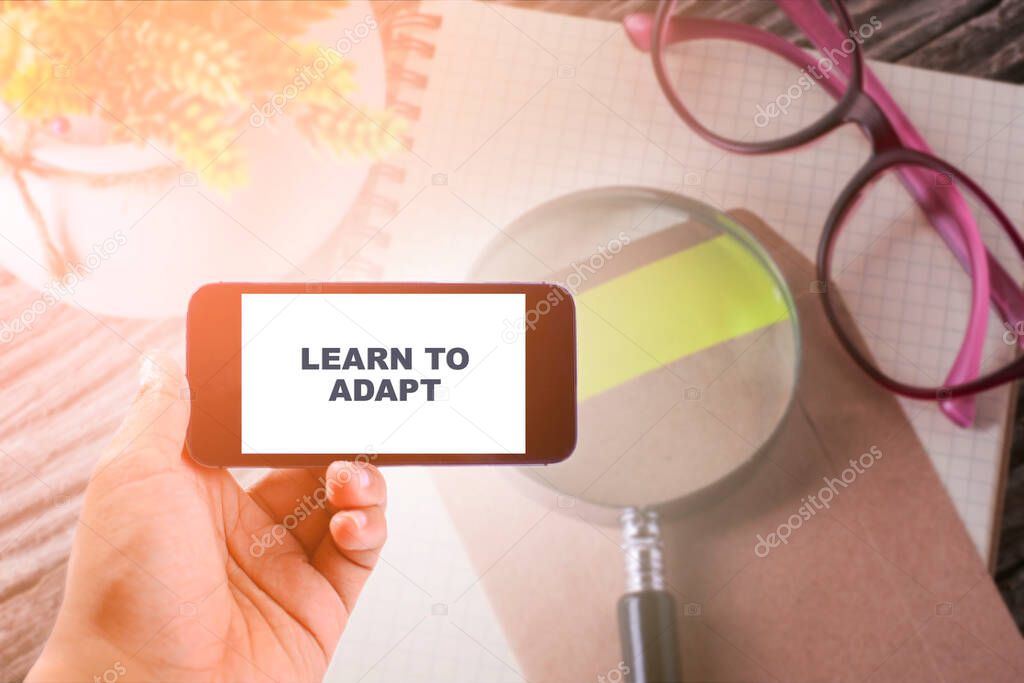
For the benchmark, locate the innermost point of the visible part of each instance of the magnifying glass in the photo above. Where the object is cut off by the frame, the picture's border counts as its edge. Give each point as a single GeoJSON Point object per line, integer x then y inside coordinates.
{"type": "Point", "coordinates": [688, 356]}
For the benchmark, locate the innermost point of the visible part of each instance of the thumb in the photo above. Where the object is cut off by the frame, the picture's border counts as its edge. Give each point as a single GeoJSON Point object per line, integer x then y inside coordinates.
{"type": "Point", "coordinates": [153, 431]}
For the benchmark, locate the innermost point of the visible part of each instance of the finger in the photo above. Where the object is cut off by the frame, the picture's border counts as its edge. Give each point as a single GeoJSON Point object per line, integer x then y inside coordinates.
{"type": "Point", "coordinates": [154, 428]}
{"type": "Point", "coordinates": [346, 557]}
{"type": "Point", "coordinates": [298, 498]}
{"type": "Point", "coordinates": [355, 485]}
{"type": "Point", "coordinates": [360, 530]}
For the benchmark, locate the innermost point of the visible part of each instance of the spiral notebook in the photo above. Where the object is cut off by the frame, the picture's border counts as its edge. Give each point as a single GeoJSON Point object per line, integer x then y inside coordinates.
{"type": "Point", "coordinates": [359, 246]}
{"type": "Point", "coordinates": [514, 107]}
{"type": "Point", "coordinates": [521, 106]}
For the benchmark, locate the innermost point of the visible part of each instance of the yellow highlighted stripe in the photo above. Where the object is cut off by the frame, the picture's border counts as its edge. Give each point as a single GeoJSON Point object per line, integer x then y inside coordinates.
{"type": "Point", "coordinates": [670, 308]}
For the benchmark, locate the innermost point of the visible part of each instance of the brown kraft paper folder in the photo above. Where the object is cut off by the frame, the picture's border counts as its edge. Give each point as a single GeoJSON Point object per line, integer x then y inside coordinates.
{"type": "Point", "coordinates": [885, 585]}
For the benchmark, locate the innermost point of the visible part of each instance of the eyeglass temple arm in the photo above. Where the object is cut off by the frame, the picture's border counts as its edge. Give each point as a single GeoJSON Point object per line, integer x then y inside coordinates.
{"type": "Point", "coordinates": [1005, 293]}
{"type": "Point", "coordinates": [945, 207]}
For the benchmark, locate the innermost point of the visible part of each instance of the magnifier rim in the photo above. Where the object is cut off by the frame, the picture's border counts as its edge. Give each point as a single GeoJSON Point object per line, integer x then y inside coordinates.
{"type": "Point", "coordinates": [697, 211]}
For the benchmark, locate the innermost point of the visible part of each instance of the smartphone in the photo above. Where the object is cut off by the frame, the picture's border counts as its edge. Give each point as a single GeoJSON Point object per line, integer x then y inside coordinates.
{"type": "Point", "coordinates": [299, 375]}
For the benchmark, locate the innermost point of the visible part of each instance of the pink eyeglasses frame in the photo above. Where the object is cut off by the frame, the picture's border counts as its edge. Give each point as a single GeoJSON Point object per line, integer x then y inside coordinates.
{"type": "Point", "coordinates": [861, 99]}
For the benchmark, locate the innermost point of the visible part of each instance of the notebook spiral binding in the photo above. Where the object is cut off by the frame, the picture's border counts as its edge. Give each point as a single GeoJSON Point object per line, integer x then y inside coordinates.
{"type": "Point", "coordinates": [360, 237]}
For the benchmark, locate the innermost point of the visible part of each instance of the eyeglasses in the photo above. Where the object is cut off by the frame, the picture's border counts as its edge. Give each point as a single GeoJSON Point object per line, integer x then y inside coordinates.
{"type": "Point", "coordinates": [882, 278]}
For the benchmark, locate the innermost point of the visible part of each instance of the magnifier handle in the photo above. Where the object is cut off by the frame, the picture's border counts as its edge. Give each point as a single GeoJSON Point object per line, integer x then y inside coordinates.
{"type": "Point", "coordinates": [647, 631]}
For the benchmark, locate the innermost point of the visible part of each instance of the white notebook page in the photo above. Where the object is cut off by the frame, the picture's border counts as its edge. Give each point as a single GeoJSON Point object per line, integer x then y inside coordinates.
{"type": "Point", "coordinates": [523, 106]}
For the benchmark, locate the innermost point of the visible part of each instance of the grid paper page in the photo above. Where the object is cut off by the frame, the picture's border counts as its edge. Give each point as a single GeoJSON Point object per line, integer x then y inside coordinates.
{"type": "Point", "coordinates": [523, 106]}
{"type": "Point", "coordinates": [423, 615]}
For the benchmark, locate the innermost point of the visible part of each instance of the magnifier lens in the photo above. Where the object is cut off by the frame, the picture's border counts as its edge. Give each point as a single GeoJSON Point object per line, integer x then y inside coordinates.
{"type": "Point", "coordinates": [687, 338]}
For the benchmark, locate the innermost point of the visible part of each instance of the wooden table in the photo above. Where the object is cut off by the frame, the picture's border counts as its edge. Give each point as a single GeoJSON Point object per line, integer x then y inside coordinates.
{"type": "Point", "coordinates": [68, 381]}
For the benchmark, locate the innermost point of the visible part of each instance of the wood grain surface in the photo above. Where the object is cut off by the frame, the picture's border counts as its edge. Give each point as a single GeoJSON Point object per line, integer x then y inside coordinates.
{"type": "Point", "coordinates": [68, 381]}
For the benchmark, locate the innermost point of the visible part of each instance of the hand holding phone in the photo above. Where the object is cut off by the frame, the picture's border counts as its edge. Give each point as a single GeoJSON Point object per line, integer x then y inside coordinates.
{"type": "Point", "coordinates": [396, 373]}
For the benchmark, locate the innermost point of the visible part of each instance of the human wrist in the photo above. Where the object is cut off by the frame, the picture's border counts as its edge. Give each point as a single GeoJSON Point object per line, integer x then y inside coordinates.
{"type": "Point", "coordinates": [83, 659]}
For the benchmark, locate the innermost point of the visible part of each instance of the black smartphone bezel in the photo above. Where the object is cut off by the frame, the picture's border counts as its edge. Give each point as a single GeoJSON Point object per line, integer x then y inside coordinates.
{"type": "Point", "coordinates": [213, 367]}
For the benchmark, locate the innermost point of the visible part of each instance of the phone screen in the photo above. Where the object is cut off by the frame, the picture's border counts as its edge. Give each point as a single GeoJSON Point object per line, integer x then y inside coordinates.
{"type": "Point", "coordinates": [383, 373]}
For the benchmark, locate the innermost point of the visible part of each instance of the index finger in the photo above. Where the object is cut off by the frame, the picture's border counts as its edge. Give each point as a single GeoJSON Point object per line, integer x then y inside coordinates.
{"type": "Point", "coordinates": [355, 484]}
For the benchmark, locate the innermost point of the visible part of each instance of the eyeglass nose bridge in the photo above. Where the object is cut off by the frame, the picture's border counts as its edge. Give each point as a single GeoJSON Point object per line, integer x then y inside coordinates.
{"type": "Point", "coordinates": [865, 112]}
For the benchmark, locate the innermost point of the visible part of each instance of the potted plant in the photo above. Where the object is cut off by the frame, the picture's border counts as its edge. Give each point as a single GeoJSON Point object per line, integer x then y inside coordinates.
{"type": "Point", "coordinates": [147, 148]}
